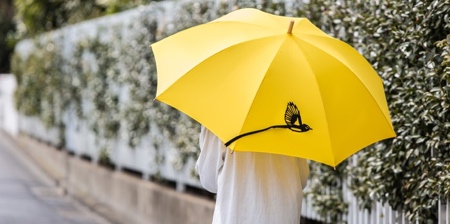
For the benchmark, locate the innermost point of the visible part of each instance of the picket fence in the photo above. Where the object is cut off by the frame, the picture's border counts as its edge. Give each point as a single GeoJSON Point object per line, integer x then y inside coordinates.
{"type": "Point", "coordinates": [81, 141]}
{"type": "Point", "coordinates": [379, 214]}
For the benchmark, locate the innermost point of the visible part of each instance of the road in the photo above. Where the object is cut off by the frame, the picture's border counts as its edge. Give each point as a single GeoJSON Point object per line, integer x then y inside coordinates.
{"type": "Point", "coordinates": [28, 196]}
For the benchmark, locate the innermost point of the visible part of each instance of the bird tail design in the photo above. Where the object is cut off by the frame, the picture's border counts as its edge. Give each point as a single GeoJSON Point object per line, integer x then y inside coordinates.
{"type": "Point", "coordinates": [291, 116]}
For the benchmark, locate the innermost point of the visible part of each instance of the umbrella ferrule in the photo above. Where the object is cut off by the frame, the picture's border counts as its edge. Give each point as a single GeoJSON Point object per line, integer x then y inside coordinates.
{"type": "Point", "coordinates": [291, 26]}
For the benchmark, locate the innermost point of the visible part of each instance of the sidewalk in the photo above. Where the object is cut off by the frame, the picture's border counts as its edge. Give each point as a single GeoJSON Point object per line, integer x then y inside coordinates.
{"type": "Point", "coordinates": [118, 196]}
{"type": "Point", "coordinates": [28, 195]}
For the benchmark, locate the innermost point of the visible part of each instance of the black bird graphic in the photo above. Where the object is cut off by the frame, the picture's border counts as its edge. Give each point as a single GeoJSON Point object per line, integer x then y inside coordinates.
{"type": "Point", "coordinates": [294, 120]}
{"type": "Point", "coordinates": [291, 117]}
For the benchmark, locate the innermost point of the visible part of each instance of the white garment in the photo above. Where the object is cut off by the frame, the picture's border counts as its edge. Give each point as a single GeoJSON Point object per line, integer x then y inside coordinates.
{"type": "Point", "coordinates": [251, 187]}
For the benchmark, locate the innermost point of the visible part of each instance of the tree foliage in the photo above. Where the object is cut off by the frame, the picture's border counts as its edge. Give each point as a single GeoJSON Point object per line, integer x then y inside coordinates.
{"type": "Point", "coordinates": [407, 44]}
{"type": "Point", "coordinates": [37, 16]}
{"type": "Point", "coordinates": [7, 30]}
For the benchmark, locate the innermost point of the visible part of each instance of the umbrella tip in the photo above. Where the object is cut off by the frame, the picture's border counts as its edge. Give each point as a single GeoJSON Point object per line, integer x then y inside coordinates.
{"type": "Point", "coordinates": [291, 25]}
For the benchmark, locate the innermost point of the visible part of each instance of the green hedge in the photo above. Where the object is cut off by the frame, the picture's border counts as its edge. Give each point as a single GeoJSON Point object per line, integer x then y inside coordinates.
{"type": "Point", "coordinates": [408, 43]}
{"type": "Point", "coordinates": [38, 16]}
{"type": "Point", "coordinates": [88, 80]}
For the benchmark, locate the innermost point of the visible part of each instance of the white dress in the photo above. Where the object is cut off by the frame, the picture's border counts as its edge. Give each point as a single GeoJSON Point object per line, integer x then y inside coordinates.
{"type": "Point", "coordinates": [251, 187]}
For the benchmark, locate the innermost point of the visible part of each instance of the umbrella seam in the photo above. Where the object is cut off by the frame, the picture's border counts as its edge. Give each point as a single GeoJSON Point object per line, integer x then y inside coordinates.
{"type": "Point", "coordinates": [323, 106]}
{"type": "Point", "coordinates": [359, 79]}
{"type": "Point", "coordinates": [259, 87]}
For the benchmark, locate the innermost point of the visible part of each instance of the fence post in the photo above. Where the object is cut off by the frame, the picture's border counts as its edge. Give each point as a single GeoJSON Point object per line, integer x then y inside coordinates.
{"type": "Point", "coordinates": [8, 114]}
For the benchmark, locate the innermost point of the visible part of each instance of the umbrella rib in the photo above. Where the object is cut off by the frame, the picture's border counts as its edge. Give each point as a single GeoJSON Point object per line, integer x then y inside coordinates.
{"type": "Point", "coordinates": [272, 17]}
{"type": "Point", "coordinates": [230, 46]}
{"type": "Point", "coordinates": [262, 81]}
{"type": "Point", "coordinates": [359, 79]}
{"type": "Point", "coordinates": [323, 106]}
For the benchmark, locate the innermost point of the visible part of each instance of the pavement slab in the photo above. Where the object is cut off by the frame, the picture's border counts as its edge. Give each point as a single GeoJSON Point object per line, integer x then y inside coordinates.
{"type": "Point", "coordinates": [29, 196]}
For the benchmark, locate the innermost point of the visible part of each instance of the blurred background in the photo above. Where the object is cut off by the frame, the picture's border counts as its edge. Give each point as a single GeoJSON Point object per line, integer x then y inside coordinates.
{"type": "Point", "coordinates": [77, 82]}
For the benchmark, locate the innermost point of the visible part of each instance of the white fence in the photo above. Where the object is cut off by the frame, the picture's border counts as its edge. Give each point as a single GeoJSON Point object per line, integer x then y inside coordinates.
{"type": "Point", "coordinates": [81, 141]}
{"type": "Point", "coordinates": [8, 113]}
{"type": "Point", "coordinates": [379, 214]}
{"type": "Point", "coordinates": [383, 213]}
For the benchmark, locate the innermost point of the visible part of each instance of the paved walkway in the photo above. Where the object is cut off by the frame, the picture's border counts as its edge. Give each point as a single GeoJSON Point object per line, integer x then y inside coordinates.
{"type": "Point", "coordinates": [28, 196]}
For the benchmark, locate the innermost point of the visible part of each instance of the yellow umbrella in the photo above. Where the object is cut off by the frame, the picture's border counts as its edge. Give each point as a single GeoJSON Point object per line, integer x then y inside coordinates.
{"type": "Point", "coordinates": [274, 84]}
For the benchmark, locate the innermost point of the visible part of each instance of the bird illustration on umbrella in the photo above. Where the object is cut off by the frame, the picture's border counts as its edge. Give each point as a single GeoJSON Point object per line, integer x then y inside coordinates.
{"type": "Point", "coordinates": [294, 120]}
{"type": "Point", "coordinates": [291, 117]}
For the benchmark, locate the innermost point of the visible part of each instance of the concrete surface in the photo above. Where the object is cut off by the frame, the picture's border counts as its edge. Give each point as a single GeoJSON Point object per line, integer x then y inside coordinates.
{"type": "Point", "coordinates": [28, 196]}
{"type": "Point", "coordinates": [120, 197]}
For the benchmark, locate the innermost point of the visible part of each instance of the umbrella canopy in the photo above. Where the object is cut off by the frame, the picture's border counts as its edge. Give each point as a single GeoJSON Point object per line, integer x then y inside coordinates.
{"type": "Point", "coordinates": [273, 84]}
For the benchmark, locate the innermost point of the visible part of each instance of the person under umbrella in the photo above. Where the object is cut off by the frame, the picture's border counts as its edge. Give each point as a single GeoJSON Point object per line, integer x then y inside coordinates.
{"type": "Point", "coordinates": [246, 77]}
{"type": "Point", "coordinates": [251, 187]}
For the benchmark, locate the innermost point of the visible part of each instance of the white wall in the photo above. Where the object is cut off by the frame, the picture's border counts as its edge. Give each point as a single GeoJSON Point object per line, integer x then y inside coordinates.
{"type": "Point", "coordinates": [8, 112]}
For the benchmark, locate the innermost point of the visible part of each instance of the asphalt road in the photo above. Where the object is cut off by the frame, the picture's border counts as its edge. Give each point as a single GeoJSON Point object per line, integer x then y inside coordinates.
{"type": "Point", "coordinates": [28, 196]}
